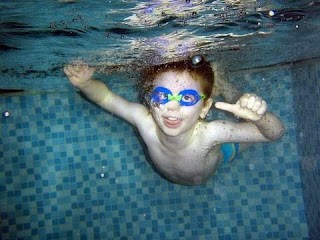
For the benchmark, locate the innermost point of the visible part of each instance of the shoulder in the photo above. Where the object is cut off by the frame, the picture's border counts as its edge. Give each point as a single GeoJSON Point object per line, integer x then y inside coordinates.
{"type": "Point", "coordinates": [217, 131]}
{"type": "Point", "coordinates": [209, 130]}
{"type": "Point", "coordinates": [146, 125]}
{"type": "Point", "coordinates": [227, 131]}
{"type": "Point", "coordinates": [140, 114]}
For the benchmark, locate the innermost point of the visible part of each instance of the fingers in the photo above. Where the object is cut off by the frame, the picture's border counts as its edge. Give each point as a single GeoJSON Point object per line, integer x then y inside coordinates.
{"type": "Point", "coordinates": [79, 74]}
{"type": "Point", "coordinates": [225, 106]}
{"type": "Point", "coordinates": [253, 103]}
{"type": "Point", "coordinates": [75, 69]}
{"type": "Point", "coordinates": [68, 70]}
{"type": "Point", "coordinates": [249, 106]}
{"type": "Point", "coordinates": [263, 109]}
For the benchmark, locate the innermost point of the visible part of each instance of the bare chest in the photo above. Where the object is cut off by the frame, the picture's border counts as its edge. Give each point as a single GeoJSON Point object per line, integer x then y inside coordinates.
{"type": "Point", "coordinates": [190, 166]}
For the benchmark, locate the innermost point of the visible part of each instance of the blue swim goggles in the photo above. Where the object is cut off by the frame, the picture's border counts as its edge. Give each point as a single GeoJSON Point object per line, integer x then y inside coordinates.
{"type": "Point", "coordinates": [188, 97]}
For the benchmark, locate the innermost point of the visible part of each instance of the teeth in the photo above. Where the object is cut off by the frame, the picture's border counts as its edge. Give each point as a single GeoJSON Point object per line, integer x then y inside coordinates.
{"type": "Point", "coordinates": [172, 118]}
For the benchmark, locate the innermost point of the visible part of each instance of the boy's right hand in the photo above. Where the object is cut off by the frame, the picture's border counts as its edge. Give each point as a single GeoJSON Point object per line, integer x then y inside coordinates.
{"type": "Point", "coordinates": [79, 73]}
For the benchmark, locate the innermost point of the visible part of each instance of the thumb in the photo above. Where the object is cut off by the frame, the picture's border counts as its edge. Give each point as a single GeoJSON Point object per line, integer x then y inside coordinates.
{"type": "Point", "coordinates": [226, 106]}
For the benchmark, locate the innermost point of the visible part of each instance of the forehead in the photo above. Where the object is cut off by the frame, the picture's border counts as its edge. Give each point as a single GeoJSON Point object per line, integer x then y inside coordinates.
{"type": "Point", "coordinates": [176, 80]}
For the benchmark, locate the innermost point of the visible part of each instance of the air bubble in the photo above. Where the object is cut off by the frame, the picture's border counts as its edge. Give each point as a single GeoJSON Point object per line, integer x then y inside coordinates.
{"type": "Point", "coordinates": [6, 114]}
{"type": "Point", "coordinates": [251, 167]}
{"type": "Point", "coordinates": [271, 13]}
{"type": "Point", "coordinates": [196, 59]}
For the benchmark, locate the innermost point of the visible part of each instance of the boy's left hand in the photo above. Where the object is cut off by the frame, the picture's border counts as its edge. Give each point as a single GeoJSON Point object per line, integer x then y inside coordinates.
{"type": "Point", "coordinates": [249, 107]}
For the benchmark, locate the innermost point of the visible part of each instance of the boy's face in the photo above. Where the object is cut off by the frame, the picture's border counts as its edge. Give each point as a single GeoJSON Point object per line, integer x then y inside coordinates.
{"type": "Point", "coordinates": [173, 117]}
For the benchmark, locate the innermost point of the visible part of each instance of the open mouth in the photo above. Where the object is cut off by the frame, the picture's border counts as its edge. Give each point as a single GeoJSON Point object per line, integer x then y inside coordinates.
{"type": "Point", "coordinates": [172, 122]}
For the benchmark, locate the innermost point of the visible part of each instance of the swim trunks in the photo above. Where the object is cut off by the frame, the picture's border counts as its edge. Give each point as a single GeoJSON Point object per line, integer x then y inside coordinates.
{"type": "Point", "coordinates": [229, 151]}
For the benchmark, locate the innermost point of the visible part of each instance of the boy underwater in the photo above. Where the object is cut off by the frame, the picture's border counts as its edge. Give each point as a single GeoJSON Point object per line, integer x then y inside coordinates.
{"type": "Point", "coordinates": [184, 147]}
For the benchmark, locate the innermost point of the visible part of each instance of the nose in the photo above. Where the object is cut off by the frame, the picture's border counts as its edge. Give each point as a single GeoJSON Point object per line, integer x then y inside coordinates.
{"type": "Point", "coordinates": [173, 105]}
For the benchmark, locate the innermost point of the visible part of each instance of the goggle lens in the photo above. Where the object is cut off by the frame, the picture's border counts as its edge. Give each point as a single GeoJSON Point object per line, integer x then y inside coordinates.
{"type": "Point", "coordinates": [188, 97]}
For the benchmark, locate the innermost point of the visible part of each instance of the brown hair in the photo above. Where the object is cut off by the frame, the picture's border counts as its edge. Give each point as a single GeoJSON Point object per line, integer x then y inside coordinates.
{"type": "Point", "coordinates": [200, 71]}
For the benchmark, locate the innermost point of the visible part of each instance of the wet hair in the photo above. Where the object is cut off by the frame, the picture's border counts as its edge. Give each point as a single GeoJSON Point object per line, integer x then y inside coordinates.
{"type": "Point", "coordinates": [197, 66]}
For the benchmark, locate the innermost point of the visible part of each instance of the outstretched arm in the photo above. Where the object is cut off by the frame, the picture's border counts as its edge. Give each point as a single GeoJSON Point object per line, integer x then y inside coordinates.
{"type": "Point", "coordinates": [254, 110]}
{"type": "Point", "coordinates": [80, 75]}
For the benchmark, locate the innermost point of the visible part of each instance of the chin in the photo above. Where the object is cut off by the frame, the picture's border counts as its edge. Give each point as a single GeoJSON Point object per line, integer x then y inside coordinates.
{"type": "Point", "coordinates": [175, 132]}
{"type": "Point", "coordinates": [171, 132]}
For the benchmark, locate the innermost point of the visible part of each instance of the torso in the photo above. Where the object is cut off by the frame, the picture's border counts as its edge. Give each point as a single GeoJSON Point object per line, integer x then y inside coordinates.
{"type": "Point", "coordinates": [191, 165]}
{"type": "Point", "coordinates": [189, 168]}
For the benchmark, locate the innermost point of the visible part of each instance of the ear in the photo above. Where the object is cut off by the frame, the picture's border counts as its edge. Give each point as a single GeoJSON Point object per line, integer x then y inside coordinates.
{"type": "Point", "coordinates": [206, 108]}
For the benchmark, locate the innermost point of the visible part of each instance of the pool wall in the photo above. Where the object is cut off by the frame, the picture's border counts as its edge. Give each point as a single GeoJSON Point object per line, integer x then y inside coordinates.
{"type": "Point", "coordinates": [69, 170]}
{"type": "Point", "coordinates": [306, 92]}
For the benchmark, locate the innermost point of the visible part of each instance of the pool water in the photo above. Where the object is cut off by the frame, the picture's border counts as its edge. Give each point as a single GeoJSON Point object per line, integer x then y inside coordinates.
{"type": "Point", "coordinates": [69, 170]}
